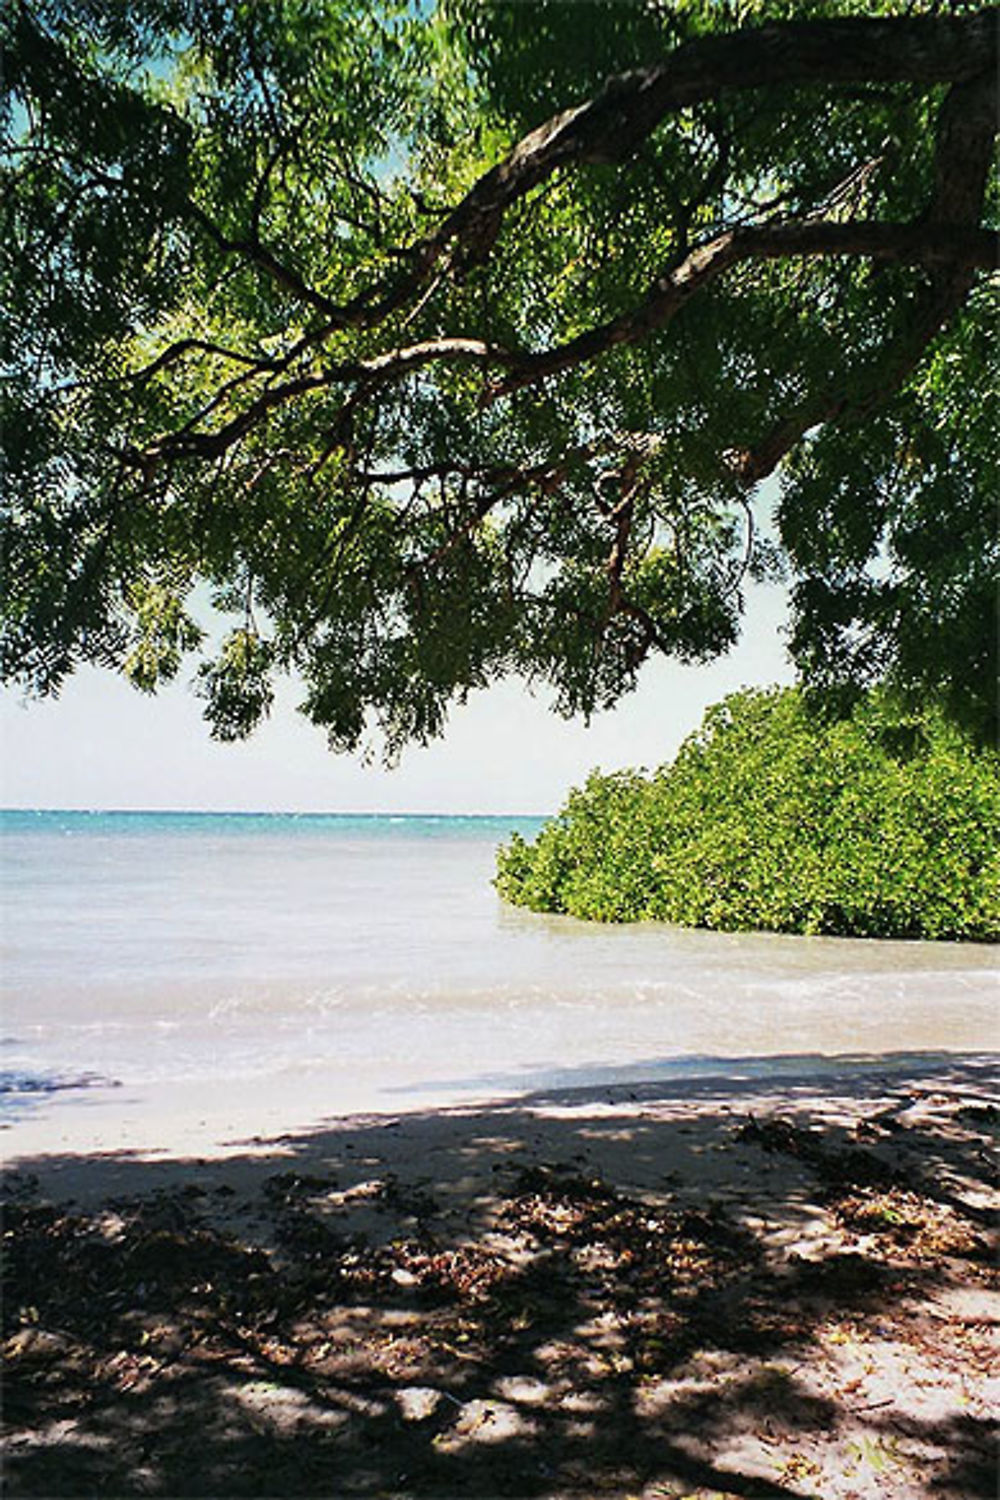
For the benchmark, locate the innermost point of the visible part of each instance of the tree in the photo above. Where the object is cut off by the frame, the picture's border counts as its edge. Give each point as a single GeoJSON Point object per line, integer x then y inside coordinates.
{"type": "Point", "coordinates": [880, 824]}
{"type": "Point", "coordinates": [449, 342]}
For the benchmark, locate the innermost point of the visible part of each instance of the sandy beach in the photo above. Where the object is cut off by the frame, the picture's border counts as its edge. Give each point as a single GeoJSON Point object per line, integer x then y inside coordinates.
{"type": "Point", "coordinates": [740, 1285]}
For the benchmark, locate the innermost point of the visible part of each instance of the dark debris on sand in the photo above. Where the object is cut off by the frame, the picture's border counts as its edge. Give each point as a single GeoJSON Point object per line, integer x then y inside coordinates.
{"type": "Point", "coordinates": [571, 1340]}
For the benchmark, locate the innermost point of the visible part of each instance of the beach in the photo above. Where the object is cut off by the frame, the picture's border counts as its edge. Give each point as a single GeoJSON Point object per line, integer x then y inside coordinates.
{"type": "Point", "coordinates": [721, 1287]}
{"type": "Point", "coordinates": [484, 1205]}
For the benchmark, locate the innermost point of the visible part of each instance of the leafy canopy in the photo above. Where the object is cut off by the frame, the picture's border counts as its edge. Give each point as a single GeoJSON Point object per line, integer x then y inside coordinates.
{"type": "Point", "coordinates": [442, 342]}
{"type": "Point", "coordinates": [881, 824]}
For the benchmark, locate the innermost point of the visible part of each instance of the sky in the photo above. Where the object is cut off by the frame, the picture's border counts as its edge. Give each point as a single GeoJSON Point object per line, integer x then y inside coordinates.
{"type": "Point", "coordinates": [102, 744]}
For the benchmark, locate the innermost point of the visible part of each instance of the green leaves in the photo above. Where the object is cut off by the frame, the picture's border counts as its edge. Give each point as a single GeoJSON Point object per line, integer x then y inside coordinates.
{"type": "Point", "coordinates": [890, 527]}
{"type": "Point", "coordinates": [236, 685]}
{"type": "Point", "coordinates": [164, 633]}
{"type": "Point", "coordinates": [457, 359]}
{"type": "Point", "coordinates": [886, 824]}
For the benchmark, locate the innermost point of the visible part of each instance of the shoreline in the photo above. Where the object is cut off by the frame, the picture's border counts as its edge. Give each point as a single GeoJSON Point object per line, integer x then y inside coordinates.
{"type": "Point", "coordinates": [214, 1118]}
{"type": "Point", "coordinates": [692, 1095]}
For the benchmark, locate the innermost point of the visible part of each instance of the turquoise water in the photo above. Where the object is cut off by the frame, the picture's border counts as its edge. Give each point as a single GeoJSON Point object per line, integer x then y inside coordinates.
{"type": "Point", "coordinates": [95, 900]}
{"type": "Point", "coordinates": [75, 824]}
{"type": "Point", "coordinates": [369, 959]}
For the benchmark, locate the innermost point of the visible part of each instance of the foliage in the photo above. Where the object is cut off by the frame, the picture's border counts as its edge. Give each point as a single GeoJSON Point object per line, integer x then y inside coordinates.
{"type": "Point", "coordinates": [880, 824]}
{"type": "Point", "coordinates": [305, 307]}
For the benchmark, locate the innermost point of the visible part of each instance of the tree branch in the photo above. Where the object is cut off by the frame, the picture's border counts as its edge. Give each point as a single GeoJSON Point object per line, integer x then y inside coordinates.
{"type": "Point", "coordinates": [945, 239]}
{"type": "Point", "coordinates": [922, 244]}
{"type": "Point", "coordinates": [967, 124]}
{"type": "Point", "coordinates": [608, 128]}
{"type": "Point", "coordinates": [259, 255]}
{"type": "Point", "coordinates": [181, 347]}
{"type": "Point", "coordinates": [212, 444]}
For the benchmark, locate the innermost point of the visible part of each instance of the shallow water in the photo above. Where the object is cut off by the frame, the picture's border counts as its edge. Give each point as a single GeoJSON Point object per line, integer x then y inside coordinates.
{"type": "Point", "coordinates": [364, 962]}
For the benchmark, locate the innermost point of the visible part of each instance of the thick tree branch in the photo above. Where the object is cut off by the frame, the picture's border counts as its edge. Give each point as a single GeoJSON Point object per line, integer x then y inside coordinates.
{"type": "Point", "coordinates": [608, 128]}
{"type": "Point", "coordinates": [873, 385]}
{"type": "Point", "coordinates": [922, 50]}
{"type": "Point", "coordinates": [967, 248]}
{"type": "Point", "coordinates": [366, 374]}
{"type": "Point", "coordinates": [622, 516]}
{"type": "Point", "coordinates": [964, 148]}
{"type": "Point", "coordinates": [430, 351]}
{"type": "Point", "coordinates": [929, 244]}
{"type": "Point", "coordinates": [946, 239]}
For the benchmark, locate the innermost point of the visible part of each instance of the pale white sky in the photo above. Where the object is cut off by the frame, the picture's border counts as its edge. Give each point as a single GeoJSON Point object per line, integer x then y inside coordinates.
{"type": "Point", "coordinates": [104, 745]}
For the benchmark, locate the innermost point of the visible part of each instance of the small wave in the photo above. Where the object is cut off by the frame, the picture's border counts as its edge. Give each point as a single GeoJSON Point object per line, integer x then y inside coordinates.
{"type": "Point", "coordinates": [19, 1085]}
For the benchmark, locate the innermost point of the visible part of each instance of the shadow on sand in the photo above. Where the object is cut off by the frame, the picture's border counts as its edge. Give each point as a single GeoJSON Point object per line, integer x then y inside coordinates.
{"type": "Point", "coordinates": [746, 1288]}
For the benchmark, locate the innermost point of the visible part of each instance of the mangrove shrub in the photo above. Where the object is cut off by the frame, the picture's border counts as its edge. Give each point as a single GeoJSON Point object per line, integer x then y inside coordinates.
{"type": "Point", "coordinates": [881, 824]}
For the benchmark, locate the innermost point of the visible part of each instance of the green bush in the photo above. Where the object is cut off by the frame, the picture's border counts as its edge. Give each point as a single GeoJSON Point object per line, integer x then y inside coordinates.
{"type": "Point", "coordinates": [884, 824]}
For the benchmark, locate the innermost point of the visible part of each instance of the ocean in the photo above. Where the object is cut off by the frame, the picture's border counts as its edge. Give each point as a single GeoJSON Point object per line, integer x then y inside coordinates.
{"type": "Point", "coordinates": [320, 965]}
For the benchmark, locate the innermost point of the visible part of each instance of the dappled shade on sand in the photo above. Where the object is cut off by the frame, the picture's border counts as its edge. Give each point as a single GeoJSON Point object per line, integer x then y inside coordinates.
{"type": "Point", "coordinates": [719, 1290]}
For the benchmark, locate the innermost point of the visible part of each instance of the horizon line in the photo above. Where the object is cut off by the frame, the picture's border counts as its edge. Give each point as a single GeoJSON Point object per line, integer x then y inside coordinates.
{"type": "Point", "coordinates": [269, 812]}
